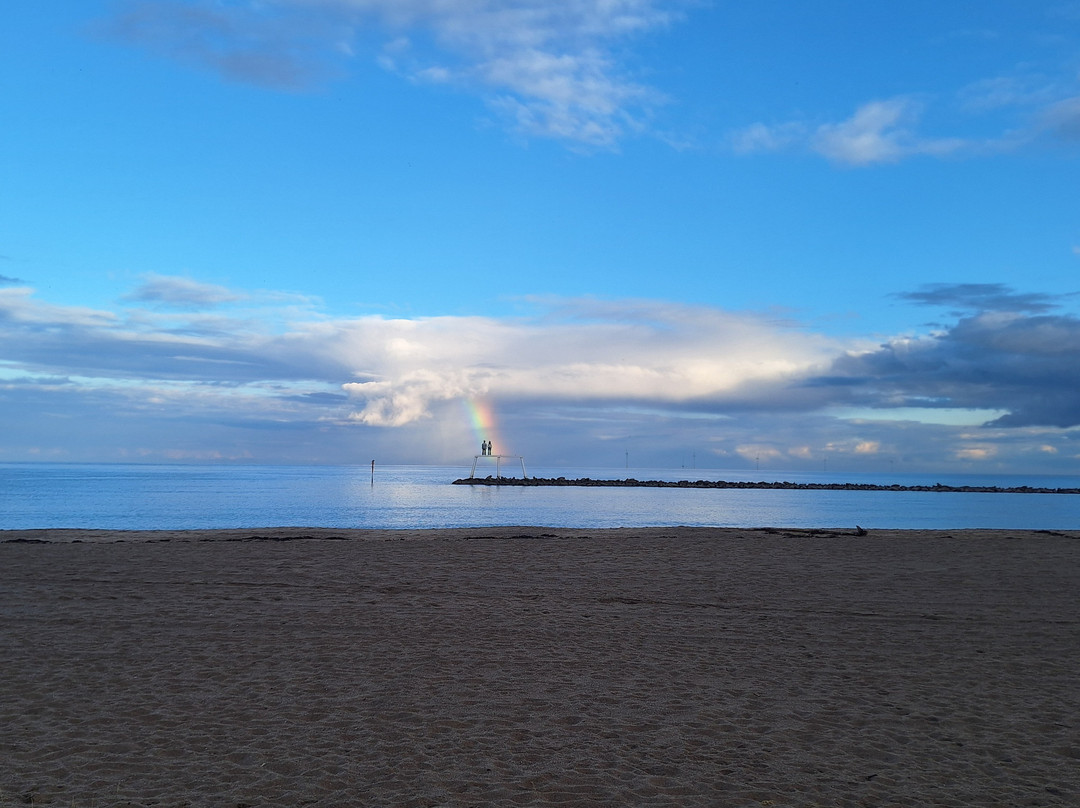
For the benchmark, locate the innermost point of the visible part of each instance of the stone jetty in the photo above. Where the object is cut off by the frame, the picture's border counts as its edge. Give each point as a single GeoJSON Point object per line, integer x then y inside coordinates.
{"type": "Point", "coordinates": [786, 486]}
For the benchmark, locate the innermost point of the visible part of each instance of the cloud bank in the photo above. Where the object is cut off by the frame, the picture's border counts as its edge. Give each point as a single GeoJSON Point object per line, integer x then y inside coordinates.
{"type": "Point", "coordinates": [184, 370]}
{"type": "Point", "coordinates": [550, 68]}
{"type": "Point", "coordinates": [643, 354]}
{"type": "Point", "coordinates": [1007, 353]}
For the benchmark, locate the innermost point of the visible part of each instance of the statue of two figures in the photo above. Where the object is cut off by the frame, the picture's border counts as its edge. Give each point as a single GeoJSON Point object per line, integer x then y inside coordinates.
{"type": "Point", "coordinates": [486, 448]}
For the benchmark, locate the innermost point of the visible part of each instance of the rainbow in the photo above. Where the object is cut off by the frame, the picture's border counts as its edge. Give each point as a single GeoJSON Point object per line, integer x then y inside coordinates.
{"type": "Point", "coordinates": [482, 418]}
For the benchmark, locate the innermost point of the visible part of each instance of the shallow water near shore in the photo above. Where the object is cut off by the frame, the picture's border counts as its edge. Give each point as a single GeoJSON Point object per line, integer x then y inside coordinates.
{"type": "Point", "coordinates": [151, 497]}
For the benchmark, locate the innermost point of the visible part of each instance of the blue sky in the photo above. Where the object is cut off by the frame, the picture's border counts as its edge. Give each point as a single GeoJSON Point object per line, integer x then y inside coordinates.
{"type": "Point", "coordinates": [749, 233]}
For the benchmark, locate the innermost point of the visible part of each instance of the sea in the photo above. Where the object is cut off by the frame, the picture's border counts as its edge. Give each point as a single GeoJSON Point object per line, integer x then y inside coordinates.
{"type": "Point", "coordinates": [179, 497]}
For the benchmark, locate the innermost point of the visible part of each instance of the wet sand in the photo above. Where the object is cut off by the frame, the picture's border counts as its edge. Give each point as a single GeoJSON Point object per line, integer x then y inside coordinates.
{"type": "Point", "coordinates": [538, 666]}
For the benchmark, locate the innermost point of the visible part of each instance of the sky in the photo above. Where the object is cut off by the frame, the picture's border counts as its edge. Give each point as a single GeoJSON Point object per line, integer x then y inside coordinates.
{"type": "Point", "coordinates": [835, 235]}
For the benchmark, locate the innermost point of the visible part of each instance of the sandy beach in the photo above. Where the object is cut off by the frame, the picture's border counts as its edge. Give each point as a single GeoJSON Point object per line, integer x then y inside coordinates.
{"type": "Point", "coordinates": [539, 666]}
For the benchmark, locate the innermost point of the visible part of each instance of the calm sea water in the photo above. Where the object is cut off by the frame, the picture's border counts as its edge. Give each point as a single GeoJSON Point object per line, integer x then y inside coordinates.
{"type": "Point", "coordinates": [144, 497]}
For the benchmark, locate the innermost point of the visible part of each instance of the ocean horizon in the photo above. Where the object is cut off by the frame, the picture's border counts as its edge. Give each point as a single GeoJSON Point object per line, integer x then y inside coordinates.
{"type": "Point", "coordinates": [212, 496]}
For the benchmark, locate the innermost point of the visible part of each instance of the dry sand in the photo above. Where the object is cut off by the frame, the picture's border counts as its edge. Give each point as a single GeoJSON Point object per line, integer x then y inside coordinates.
{"type": "Point", "coordinates": [533, 666]}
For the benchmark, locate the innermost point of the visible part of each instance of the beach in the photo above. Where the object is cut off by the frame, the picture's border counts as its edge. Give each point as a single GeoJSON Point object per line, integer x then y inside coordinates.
{"type": "Point", "coordinates": [540, 666]}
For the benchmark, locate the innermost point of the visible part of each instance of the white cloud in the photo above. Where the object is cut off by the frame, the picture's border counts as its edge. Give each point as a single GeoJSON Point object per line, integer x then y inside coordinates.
{"type": "Point", "coordinates": [977, 453]}
{"type": "Point", "coordinates": [550, 67]}
{"type": "Point", "coordinates": [1048, 105]}
{"type": "Point", "coordinates": [665, 356]}
{"type": "Point", "coordinates": [761, 138]}
{"type": "Point", "coordinates": [1034, 103]}
{"type": "Point", "coordinates": [871, 135]}
{"type": "Point", "coordinates": [758, 453]}
{"type": "Point", "coordinates": [1009, 91]}
{"type": "Point", "coordinates": [547, 66]}
{"type": "Point", "coordinates": [877, 132]}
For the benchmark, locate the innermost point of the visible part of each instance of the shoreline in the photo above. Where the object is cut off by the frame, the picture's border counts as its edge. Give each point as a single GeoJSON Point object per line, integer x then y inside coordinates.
{"type": "Point", "coordinates": [540, 666]}
{"type": "Point", "coordinates": [500, 532]}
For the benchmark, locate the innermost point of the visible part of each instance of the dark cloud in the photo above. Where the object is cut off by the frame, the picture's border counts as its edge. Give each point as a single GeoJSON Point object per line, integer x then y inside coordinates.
{"type": "Point", "coordinates": [978, 297]}
{"type": "Point", "coordinates": [77, 342]}
{"type": "Point", "coordinates": [101, 352]}
{"type": "Point", "coordinates": [319, 398]}
{"type": "Point", "coordinates": [269, 46]}
{"type": "Point", "coordinates": [7, 281]}
{"type": "Point", "coordinates": [1063, 119]}
{"type": "Point", "coordinates": [1025, 364]}
{"type": "Point", "coordinates": [181, 293]}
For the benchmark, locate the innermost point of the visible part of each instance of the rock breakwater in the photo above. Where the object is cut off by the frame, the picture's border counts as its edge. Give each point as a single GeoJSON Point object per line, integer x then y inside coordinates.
{"type": "Point", "coordinates": [786, 486]}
